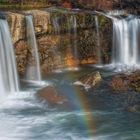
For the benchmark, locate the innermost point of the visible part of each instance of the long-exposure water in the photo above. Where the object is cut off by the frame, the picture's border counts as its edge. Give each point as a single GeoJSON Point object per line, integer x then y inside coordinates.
{"type": "Point", "coordinates": [96, 114]}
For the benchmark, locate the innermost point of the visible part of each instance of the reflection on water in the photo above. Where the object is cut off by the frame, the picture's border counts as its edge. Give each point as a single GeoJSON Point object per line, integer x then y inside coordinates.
{"type": "Point", "coordinates": [96, 115]}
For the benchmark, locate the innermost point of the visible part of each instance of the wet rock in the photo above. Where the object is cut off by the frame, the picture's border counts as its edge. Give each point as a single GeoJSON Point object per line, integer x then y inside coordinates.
{"type": "Point", "coordinates": [134, 109]}
{"type": "Point", "coordinates": [51, 95]}
{"type": "Point", "coordinates": [119, 84]}
{"type": "Point", "coordinates": [125, 82]}
{"type": "Point", "coordinates": [61, 43]}
{"type": "Point", "coordinates": [132, 6]}
{"type": "Point", "coordinates": [41, 21]}
{"type": "Point", "coordinates": [21, 55]}
{"type": "Point", "coordinates": [89, 80]}
{"type": "Point", "coordinates": [134, 79]}
{"type": "Point", "coordinates": [17, 26]}
{"type": "Point", "coordinates": [67, 4]}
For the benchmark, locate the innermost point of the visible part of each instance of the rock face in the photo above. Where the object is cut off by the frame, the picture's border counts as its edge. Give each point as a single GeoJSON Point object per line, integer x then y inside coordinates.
{"type": "Point", "coordinates": [89, 80]}
{"type": "Point", "coordinates": [124, 82]}
{"type": "Point", "coordinates": [18, 33]}
{"type": "Point", "coordinates": [65, 38]}
{"type": "Point", "coordinates": [132, 6]}
{"type": "Point", "coordinates": [41, 21]}
{"type": "Point", "coordinates": [51, 95]}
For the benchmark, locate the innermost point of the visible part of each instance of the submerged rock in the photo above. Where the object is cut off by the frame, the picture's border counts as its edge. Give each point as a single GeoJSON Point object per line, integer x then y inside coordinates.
{"type": "Point", "coordinates": [89, 80]}
{"type": "Point", "coordinates": [51, 95]}
{"type": "Point", "coordinates": [134, 109]}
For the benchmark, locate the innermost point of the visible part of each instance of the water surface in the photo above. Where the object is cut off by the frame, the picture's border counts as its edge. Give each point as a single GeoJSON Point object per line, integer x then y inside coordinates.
{"type": "Point", "coordinates": [94, 115]}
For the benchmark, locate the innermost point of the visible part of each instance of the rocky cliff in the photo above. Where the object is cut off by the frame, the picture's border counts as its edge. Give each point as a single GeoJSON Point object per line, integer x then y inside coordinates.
{"type": "Point", "coordinates": [65, 38]}
{"type": "Point", "coordinates": [132, 6]}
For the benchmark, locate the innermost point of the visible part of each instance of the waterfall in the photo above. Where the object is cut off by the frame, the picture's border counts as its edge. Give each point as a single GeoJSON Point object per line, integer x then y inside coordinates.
{"type": "Point", "coordinates": [98, 40]}
{"type": "Point", "coordinates": [33, 73]}
{"type": "Point", "coordinates": [8, 70]}
{"type": "Point", "coordinates": [72, 31]}
{"type": "Point", "coordinates": [74, 23]}
{"type": "Point", "coordinates": [55, 49]}
{"type": "Point", "coordinates": [126, 44]}
{"type": "Point", "coordinates": [117, 12]}
{"type": "Point", "coordinates": [56, 25]}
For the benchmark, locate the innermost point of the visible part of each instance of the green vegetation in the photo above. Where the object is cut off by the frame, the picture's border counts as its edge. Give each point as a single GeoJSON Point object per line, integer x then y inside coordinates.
{"type": "Point", "coordinates": [23, 4]}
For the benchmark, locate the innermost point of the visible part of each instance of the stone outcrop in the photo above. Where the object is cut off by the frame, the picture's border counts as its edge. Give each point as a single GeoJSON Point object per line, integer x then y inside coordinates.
{"type": "Point", "coordinates": [132, 6]}
{"type": "Point", "coordinates": [65, 38]}
{"type": "Point", "coordinates": [21, 50]}
{"type": "Point", "coordinates": [41, 21]}
{"type": "Point", "coordinates": [17, 26]}
{"type": "Point", "coordinates": [125, 82]}
{"type": "Point", "coordinates": [51, 95]}
{"type": "Point", "coordinates": [89, 80]}
{"type": "Point", "coordinates": [18, 33]}
{"type": "Point", "coordinates": [134, 109]}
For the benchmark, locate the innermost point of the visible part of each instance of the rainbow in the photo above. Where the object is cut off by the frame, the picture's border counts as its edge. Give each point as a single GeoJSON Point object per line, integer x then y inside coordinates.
{"type": "Point", "coordinates": [85, 108]}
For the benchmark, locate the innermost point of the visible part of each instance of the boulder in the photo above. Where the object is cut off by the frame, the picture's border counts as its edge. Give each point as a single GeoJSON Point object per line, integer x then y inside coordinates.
{"type": "Point", "coordinates": [118, 83]}
{"type": "Point", "coordinates": [89, 80]}
{"type": "Point", "coordinates": [51, 95]}
{"type": "Point", "coordinates": [134, 109]}
{"type": "Point", "coordinates": [124, 82]}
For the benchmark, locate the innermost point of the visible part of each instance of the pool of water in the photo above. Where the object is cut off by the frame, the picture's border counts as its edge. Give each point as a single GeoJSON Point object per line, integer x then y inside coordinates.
{"type": "Point", "coordinates": [96, 114]}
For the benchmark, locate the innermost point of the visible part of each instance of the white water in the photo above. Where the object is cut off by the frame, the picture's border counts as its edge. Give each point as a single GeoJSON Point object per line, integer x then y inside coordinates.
{"type": "Point", "coordinates": [117, 12]}
{"type": "Point", "coordinates": [74, 23]}
{"type": "Point", "coordinates": [98, 39]}
{"type": "Point", "coordinates": [8, 68]}
{"type": "Point", "coordinates": [56, 25]}
{"type": "Point", "coordinates": [72, 31]}
{"type": "Point", "coordinates": [33, 70]}
{"type": "Point", "coordinates": [22, 117]}
{"type": "Point", "coordinates": [126, 34]}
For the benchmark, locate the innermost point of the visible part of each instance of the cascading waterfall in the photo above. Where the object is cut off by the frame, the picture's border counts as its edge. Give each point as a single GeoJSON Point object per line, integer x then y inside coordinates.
{"type": "Point", "coordinates": [56, 25]}
{"type": "Point", "coordinates": [2, 86]}
{"type": "Point", "coordinates": [98, 39]}
{"type": "Point", "coordinates": [117, 12]}
{"type": "Point", "coordinates": [72, 30]}
{"type": "Point", "coordinates": [33, 73]}
{"type": "Point", "coordinates": [57, 32]}
{"type": "Point", "coordinates": [74, 23]}
{"type": "Point", "coordinates": [126, 44]}
{"type": "Point", "coordinates": [8, 69]}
